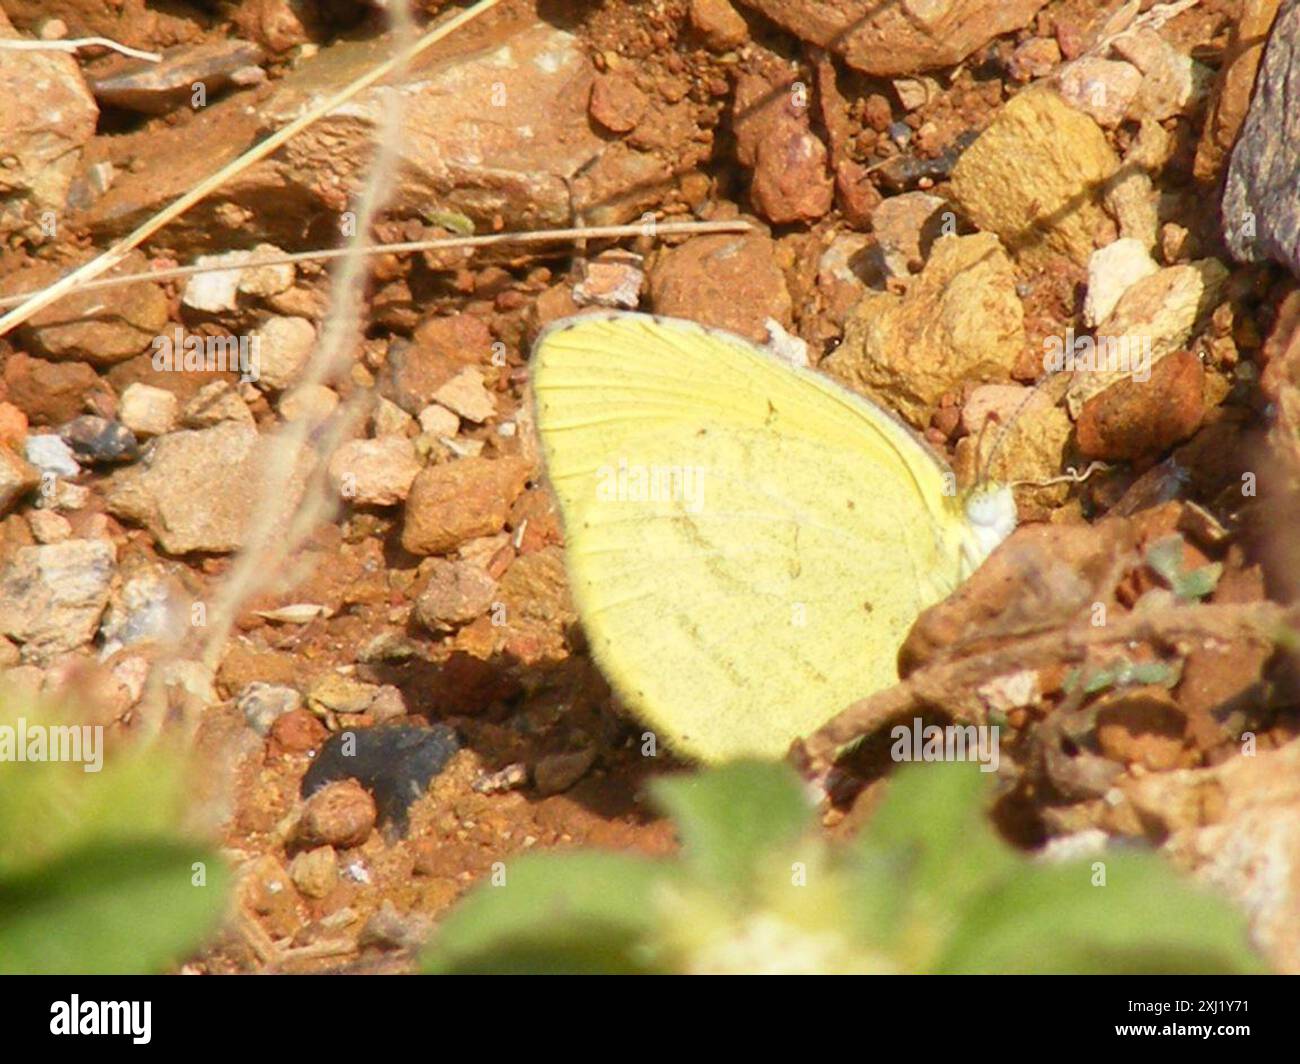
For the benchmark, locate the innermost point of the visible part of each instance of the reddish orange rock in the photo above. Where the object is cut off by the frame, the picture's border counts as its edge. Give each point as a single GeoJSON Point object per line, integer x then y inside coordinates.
{"type": "Point", "coordinates": [340, 814]}
{"type": "Point", "coordinates": [1134, 420]}
{"type": "Point", "coordinates": [460, 500]}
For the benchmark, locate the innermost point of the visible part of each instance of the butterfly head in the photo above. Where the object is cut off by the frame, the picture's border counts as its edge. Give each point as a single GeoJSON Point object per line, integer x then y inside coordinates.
{"type": "Point", "coordinates": [991, 516]}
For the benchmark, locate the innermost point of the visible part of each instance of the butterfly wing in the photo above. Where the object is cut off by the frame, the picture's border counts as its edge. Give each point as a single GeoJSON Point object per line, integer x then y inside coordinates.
{"type": "Point", "coordinates": [747, 544]}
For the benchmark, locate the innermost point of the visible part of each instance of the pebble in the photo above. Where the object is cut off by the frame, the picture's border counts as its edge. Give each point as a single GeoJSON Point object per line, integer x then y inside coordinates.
{"type": "Point", "coordinates": [465, 395]}
{"type": "Point", "coordinates": [340, 814]}
{"type": "Point", "coordinates": [96, 439]}
{"type": "Point", "coordinates": [52, 595]}
{"type": "Point", "coordinates": [51, 454]}
{"type": "Point", "coordinates": [335, 693]}
{"type": "Point", "coordinates": [1102, 88]}
{"type": "Point", "coordinates": [49, 527]}
{"type": "Point", "coordinates": [558, 772]}
{"type": "Point", "coordinates": [262, 704]}
{"type": "Point", "coordinates": [460, 500]}
{"type": "Point", "coordinates": [439, 421]}
{"type": "Point", "coordinates": [394, 762]}
{"type": "Point", "coordinates": [17, 478]}
{"type": "Point", "coordinates": [1035, 177]}
{"type": "Point", "coordinates": [375, 472]}
{"type": "Point", "coordinates": [389, 929]}
{"type": "Point", "coordinates": [148, 411]}
{"type": "Point", "coordinates": [283, 346]}
{"type": "Point", "coordinates": [1112, 271]}
{"type": "Point", "coordinates": [214, 403]}
{"type": "Point", "coordinates": [296, 732]}
{"type": "Point", "coordinates": [457, 592]}
{"type": "Point", "coordinates": [315, 872]}
{"type": "Point", "coordinates": [309, 402]}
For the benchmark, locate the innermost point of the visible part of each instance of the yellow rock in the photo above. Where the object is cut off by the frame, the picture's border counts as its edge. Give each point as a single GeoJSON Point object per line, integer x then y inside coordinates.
{"type": "Point", "coordinates": [1036, 178]}
{"type": "Point", "coordinates": [960, 321]}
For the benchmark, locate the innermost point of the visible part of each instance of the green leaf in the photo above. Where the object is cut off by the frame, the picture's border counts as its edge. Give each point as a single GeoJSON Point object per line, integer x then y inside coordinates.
{"type": "Point", "coordinates": [1146, 919]}
{"type": "Point", "coordinates": [730, 817]}
{"type": "Point", "coordinates": [574, 912]}
{"type": "Point", "coordinates": [924, 855]}
{"type": "Point", "coordinates": [1165, 556]}
{"type": "Point", "coordinates": [120, 908]}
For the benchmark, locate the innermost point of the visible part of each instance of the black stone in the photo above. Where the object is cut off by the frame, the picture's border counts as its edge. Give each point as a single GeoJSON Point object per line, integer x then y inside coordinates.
{"type": "Point", "coordinates": [96, 439]}
{"type": "Point", "coordinates": [394, 762]}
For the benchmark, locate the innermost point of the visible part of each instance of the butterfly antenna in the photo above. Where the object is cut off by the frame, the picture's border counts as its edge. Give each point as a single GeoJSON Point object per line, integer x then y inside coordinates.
{"type": "Point", "coordinates": [1070, 476]}
{"type": "Point", "coordinates": [1038, 386]}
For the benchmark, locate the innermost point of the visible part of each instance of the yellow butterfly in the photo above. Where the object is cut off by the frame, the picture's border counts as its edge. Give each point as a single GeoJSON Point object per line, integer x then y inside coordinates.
{"type": "Point", "coordinates": [747, 542]}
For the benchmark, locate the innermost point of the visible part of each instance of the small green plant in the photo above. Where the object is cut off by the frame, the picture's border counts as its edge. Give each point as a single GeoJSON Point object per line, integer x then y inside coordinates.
{"type": "Point", "coordinates": [926, 887]}
{"type": "Point", "coordinates": [1165, 557]}
{"type": "Point", "coordinates": [96, 875]}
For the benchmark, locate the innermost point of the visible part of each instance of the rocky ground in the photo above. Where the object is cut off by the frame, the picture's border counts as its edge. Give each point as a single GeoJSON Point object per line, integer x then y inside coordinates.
{"type": "Point", "coordinates": [937, 203]}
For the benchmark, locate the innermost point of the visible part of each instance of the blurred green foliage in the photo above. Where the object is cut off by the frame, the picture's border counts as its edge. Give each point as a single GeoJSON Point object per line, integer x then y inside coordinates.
{"type": "Point", "coordinates": [96, 873]}
{"type": "Point", "coordinates": [928, 886]}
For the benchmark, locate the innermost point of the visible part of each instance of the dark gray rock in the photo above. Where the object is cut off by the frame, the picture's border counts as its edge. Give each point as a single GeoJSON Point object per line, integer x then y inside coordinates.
{"type": "Point", "coordinates": [1261, 212]}
{"type": "Point", "coordinates": [394, 762]}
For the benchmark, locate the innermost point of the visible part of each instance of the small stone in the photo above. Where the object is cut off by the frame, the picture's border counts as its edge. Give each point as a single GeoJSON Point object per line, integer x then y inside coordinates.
{"type": "Point", "coordinates": [1112, 271]}
{"type": "Point", "coordinates": [50, 393]}
{"type": "Point", "coordinates": [914, 93]}
{"type": "Point", "coordinates": [1034, 58]}
{"type": "Point", "coordinates": [283, 348]}
{"type": "Point", "coordinates": [339, 814]}
{"type": "Point", "coordinates": [719, 24]}
{"type": "Point", "coordinates": [1261, 215]}
{"type": "Point", "coordinates": [465, 395]}
{"type": "Point", "coordinates": [1172, 83]}
{"type": "Point", "coordinates": [1155, 316]}
{"type": "Point", "coordinates": [389, 929]}
{"type": "Point", "coordinates": [50, 454]}
{"type": "Point", "coordinates": [1134, 419]}
{"type": "Point", "coordinates": [388, 704]}
{"type": "Point", "coordinates": [147, 607]}
{"type": "Point", "coordinates": [439, 421]}
{"type": "Point", "coordinates": [96, 439]}
{"type": "Point", "coordinates": [215, 291]}
{"type": "Point", "coordinates": [264, 282]}
{"type": "Point", "coordinates": [395, 762]}
{"type": "Point", "coordinates": [457, 593]}
{"type": "Point", "coordinates": [296, 732]}
{"type": "Point", "coordinates": [460, 500]}
{"type": "Point", "coordinates": [1035, 177]}
{"type": "Point", "coordinates": [309, 402]}
{"type": "Point", "coordinates": [905, 227]}
{"type": "Point", "coordinates": [375, 472]}
{"type": "Point", "coordinates": [616, 103]}
{"type": "Point", "coordinates": [728, 282]}
{"type": "Point", "coordinates": [262, 704]}
{"type": "Point", "coordinates": [17, 478]}
{"type": "Point", "coordinates": [1102, 88]}
{"type": "Point", "coordinates": [214, 403]}
{"type": "Point", "coordinates": [389, 419]}
{"type": "Point", "coordinates": [49, 527]}
{"type": "Point", "coordinates": [1143, 726]}
{"type": "Point", "coordinates": [558, 772]}
{"type": "Point", "coordinates": [960, 321]}
{"type": "Point", "coordinates": [13, 426]}
{"type": "Point", "coordinates": [148, 411]}
{"type": "Point", "coordinates": [611, 279]}
{"type": "Point", "coordinates": [315, 872]}
{"type": "Point", "coordinates": [335, 693]}
{"type": "Point", "coordinates": [52, 596]}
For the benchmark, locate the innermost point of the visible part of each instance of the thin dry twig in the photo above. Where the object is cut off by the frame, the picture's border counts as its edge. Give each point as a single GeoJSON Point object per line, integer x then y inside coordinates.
{"type": "Point", "coordinates": [108, 259]}
{"type": "Point", "coordinates": [934, 684]}
{"type": "Point", "coordinates": [536, 236]}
